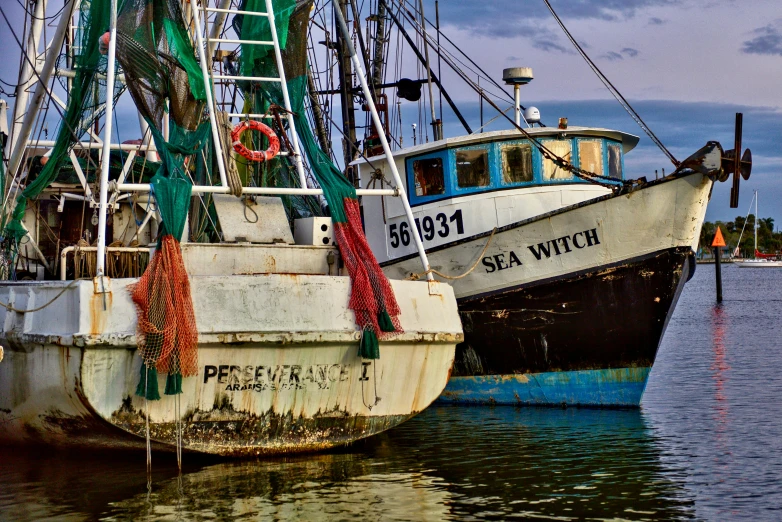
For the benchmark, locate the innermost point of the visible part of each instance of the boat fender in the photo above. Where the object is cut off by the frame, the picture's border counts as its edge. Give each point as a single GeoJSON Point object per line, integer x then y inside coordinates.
{"type": "Point", "coordinates": [255, 155]}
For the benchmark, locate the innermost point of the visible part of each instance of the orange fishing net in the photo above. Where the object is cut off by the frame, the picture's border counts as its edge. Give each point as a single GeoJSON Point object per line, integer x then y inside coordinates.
{"type": "Point", "coordinates": [167, 334]}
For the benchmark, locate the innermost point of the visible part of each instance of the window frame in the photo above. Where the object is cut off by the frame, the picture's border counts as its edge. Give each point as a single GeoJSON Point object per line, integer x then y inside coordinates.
{"type": "Point", "coordinates": [537, 175]}
{"type": "Point", "coordinates": [414, 198]}
{"type": "Point", "coordinates": [573, 152]}
{"type": "Point", "coordinates": [490, 165]}
{"type": "Point", "coordinates": [618, 144]}
{"type": "Point", "coordinates": [603, 153]}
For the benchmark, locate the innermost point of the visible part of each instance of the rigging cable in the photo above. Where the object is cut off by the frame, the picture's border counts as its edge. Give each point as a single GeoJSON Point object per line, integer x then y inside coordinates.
{"type": "Point", "coordinates": [608, 182]}
{"type": "Point", "coordinates": [472, 62]}
{"type": "Point", "coordinates": [613, 90]}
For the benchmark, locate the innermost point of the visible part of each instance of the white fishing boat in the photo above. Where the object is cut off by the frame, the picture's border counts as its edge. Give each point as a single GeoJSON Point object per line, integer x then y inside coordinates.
{"type": "Point", "coordinates": [760, 260]}
{"type": "Point", "coordinates": [275, 326]}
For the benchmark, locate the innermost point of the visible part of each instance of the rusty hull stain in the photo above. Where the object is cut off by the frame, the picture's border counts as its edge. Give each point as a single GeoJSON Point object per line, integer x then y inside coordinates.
{"type": "Point", "coordinates": [97, 313]}
{"type": "Point", "coordinates": [231, 433]}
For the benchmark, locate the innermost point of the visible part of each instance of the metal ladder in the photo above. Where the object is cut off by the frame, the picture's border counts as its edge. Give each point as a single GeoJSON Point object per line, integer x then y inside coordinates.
{"type": "Point", "coordinates": [209, 78]}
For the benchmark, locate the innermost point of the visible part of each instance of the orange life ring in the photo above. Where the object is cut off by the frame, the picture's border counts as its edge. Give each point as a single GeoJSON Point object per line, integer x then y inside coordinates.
{"type": "Point", "coordinates": [255, 155]}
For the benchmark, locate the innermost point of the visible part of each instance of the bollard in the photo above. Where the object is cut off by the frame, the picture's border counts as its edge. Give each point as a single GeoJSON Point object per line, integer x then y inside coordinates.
{"type": "Point", "coordinates": [717, 244]}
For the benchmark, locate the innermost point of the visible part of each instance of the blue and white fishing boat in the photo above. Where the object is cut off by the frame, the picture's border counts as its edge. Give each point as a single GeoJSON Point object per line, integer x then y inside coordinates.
{"type": "Point", "coordinates": [566, 266]}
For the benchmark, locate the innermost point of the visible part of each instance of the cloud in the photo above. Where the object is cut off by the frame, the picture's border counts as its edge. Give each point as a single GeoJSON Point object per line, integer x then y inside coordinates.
{"type": "Point", "coordinates": [505, 18]}
{"type": "Point", "coordinates": [657, 21]}
{"type": "Point", "coordinates": [550, 46]}
{"type": "Point", "coordinates": [613, 56]}
{"type": "Point", "coordinates": [768, 40]}
{"type": "Point", "coordinates": [630, 52]}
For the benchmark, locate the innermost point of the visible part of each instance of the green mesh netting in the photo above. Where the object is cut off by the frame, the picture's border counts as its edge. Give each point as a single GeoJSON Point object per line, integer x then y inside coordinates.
{"type": "Point", "coordinates": [254, 57]}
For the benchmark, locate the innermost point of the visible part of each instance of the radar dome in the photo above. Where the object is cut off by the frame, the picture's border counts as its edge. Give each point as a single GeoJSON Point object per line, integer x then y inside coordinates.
{"type": "Point", "coordinates": [532, 115]}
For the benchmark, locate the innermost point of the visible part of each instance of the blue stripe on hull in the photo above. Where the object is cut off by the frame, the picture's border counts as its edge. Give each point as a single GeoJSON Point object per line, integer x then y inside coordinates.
{"type": "Point", "coordinates": [615, 387]}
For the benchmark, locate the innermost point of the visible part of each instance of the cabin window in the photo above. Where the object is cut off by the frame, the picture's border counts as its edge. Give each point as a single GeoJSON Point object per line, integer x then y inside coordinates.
{"type": "Point", "coordinates": [516, 163]}
{"type": "Point", "coordinates": [429, 177]}
{"type": "Point", "coordinates": [614, 161]}
{"type": "Point", "coordinates": [590, 156]}
{"type": "Point", "coordinates": [472, 168]}
{"type": "Point", "coordinates": [563, 149]}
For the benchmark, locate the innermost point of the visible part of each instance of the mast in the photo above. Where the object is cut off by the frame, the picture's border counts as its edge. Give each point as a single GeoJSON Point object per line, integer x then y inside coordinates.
{"type": "Point", "coordinates": [27, 76]}
{"type": "Point", "coordinates": [345, 89]}
{"type": "Point", "coordinates": [21, 134]}
{"type": "Point", "coordinates": [387, 149]}
{"type": "Point", "coordinates": [380, 44]}
{"type": "Point", "coordinates": [317, 114]}
{"type": "Point", "coordinates": [437, 125]}
{"type": "Point", "coordinates": [421, 59]}
{"type": "Point", "coordinates": [756, 221]}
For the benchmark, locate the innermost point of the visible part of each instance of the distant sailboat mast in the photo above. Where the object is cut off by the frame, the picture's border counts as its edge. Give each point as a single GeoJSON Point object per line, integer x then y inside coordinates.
{"type": "Point", "coordinates": [756, 223]}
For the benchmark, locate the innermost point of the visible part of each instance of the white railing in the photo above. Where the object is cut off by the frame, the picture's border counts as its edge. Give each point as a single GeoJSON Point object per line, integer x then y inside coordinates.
{"type": "Point", "coordinates": [76, 249]}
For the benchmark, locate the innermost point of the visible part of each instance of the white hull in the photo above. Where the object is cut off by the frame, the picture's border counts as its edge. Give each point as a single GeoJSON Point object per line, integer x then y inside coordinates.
{"type": "Point", "coordinates": [278, 366]}
{"type": "Point", "coordinates": [598, 233]}
{"type": "Point", "coordinates": [758, 263]}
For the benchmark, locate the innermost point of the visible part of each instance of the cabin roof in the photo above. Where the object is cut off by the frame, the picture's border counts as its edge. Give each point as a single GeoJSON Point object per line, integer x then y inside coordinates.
{"type": "Point", "coordinates": [629, 141]}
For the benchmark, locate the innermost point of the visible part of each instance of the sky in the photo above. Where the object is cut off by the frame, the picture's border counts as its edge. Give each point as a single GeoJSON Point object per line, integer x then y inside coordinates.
{"type": "Point", "coordinates": [686, 66]}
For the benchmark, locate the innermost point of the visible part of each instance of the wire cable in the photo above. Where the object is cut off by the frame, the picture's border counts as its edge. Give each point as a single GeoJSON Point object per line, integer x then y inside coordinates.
{"type": "Point", "coordinates": [613, 90]}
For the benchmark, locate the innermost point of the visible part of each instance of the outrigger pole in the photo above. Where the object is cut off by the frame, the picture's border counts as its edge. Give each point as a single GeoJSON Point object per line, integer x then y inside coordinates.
{"type": "Point", "coordinates": [384, 141]}
{"type": "Point", "coordinates": [106, 152]}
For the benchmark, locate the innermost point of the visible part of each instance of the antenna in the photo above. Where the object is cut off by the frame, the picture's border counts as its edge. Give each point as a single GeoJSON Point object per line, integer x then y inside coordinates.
{"type": "Point", "coordinates": [518, 76]}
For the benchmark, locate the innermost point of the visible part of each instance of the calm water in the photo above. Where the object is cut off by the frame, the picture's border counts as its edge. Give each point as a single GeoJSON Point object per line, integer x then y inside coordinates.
{"type": "Point", "coordinates": [706, 445]}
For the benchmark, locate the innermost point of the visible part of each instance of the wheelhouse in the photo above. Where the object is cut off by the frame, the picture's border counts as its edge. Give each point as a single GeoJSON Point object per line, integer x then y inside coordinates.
{"type": "Point", "coordinates": [509, 164]}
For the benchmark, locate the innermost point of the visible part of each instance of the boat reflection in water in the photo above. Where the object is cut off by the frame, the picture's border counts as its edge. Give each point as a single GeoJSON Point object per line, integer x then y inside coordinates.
{"type": "Point", "coordinates": [447, 463]}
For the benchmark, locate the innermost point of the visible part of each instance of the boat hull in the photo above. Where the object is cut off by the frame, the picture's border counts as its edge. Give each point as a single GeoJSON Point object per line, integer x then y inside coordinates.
{"type": "Point", "coordinates": [278, 368]}
{"type": "Point", "coordinates": [579, 324]}
{"type": "Point", "coordinates": [760, 263]}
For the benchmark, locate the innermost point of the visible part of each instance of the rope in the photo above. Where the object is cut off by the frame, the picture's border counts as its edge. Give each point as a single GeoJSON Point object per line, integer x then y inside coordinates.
{"type": "Point", "coordinates": [146, 412]}
{"type": "Point", "coordinates": [231, 173]}
{"type": "Point", "coordinates": [17, 310]}
{"type": "Point", "coordinates": [416, 277]}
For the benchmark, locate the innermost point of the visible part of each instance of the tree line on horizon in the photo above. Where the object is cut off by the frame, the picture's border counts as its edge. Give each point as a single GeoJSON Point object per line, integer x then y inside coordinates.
{"type": "Point", "coordinates": [769, 242]}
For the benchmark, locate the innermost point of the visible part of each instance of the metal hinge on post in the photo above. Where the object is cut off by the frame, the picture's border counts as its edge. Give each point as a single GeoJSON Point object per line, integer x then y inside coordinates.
{"type": "Point", "coordinates": [101, 284]}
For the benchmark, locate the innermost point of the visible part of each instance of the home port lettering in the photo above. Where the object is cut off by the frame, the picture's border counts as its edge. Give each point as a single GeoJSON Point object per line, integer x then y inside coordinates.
{"type": "Point", "coordinates": [557, 247]}
{"type": "Point", "coordinates": [278, 377]}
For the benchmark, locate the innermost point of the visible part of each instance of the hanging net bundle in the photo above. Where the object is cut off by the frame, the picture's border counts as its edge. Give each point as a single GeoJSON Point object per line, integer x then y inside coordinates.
{"type": "Point", "coordinates": [165, 81]}
{"type": "Point", "coordinates": [372, 298]}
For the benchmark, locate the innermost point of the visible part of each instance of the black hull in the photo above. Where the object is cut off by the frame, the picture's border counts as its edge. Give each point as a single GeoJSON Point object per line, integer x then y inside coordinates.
{"type": "Point", "coordinates": [611, 317]}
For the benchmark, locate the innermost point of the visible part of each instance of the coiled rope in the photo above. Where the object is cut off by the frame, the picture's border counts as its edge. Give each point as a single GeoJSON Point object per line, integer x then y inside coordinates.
{"type": "Point", "coordinates": [231, 172]}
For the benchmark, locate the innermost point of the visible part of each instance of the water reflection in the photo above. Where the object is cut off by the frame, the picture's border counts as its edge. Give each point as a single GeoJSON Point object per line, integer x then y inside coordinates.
{"type": "Point", "coordinates": [720, 368]}
{"type": "Point", "coordinates": [448, 463]}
